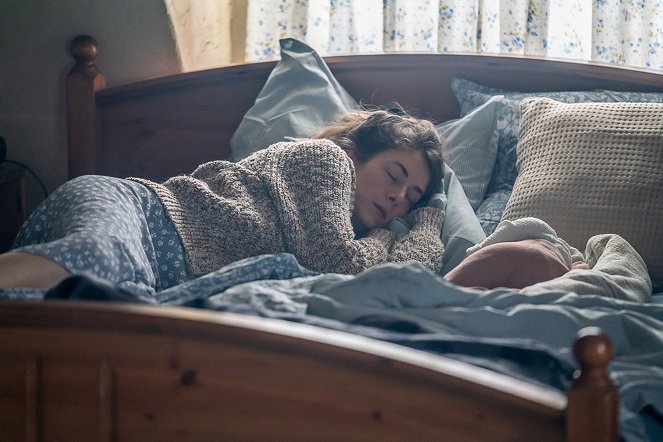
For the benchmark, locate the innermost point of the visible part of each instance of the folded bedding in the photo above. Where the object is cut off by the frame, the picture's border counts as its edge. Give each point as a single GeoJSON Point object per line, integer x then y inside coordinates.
{"type": "Point", "coordinates": [534, 258]}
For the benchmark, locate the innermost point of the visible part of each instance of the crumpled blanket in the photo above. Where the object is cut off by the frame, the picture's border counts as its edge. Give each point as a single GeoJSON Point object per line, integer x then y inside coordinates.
{"type": "Point", "coordinates": [529, 228]}
{"type": "Point", "coordinates": [616, 270]}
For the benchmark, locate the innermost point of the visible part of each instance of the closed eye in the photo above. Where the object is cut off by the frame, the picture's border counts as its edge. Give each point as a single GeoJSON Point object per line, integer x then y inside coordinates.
{"type": "Point", "coordinates": [415, 193]}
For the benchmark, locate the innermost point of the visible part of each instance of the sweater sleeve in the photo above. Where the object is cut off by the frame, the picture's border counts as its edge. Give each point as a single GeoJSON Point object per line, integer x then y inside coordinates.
{"type": "Point", "coordinates": [313, 184]}
{"type": "Point", "coordinates": [423, 242]}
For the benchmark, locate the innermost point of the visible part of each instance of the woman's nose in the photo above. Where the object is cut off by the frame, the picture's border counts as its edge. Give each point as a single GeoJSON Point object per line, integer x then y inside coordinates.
{"type": "Point", "coordinates": [396, 196]}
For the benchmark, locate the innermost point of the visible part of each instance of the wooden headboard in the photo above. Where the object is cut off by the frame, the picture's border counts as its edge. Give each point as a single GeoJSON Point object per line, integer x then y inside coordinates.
{"type": "Point", "coordinates": [166, 126]}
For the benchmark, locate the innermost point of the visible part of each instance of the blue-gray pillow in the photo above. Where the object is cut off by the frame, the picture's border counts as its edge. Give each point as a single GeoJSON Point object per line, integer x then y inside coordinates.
{"type": "Point", "coordinates": [461, 228]}
{"type": "Point", "coordinates": [471, 95]}
{"type": "Point", "coordinates": [299, 98]}
{"type": "Point", "coordinates": [470, 148]}
{"type": "Point", "coordinates": [491, 209]}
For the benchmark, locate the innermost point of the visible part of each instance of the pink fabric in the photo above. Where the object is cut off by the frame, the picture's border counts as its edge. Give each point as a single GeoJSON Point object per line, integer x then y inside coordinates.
{"type": "Point", "coordinates": [510, 264]}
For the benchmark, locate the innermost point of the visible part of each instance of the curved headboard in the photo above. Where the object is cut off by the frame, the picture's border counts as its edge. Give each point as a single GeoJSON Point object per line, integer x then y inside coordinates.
{"type": "Point", "coordinates": [166, 126]}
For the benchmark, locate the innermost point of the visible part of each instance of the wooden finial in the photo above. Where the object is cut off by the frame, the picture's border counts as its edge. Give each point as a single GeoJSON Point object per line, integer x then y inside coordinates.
{"type": "Point", "coordinates": [593, 351]}
{"type": "Point", "coordinates": [592, 409]}
{"type": "Point", "coordinates": [84, 49]}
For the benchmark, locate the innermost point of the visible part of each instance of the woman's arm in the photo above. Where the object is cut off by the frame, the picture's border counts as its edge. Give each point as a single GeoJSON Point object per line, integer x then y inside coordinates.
{"type": "Point", "coordinates": [312, 184]}
{"type": "Point", "coordinates": [422, 243]}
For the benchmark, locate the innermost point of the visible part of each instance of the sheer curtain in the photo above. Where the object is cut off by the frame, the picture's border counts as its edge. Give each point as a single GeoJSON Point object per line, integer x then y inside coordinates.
{"type": "Point", "coordinates": [611, 31]}
{"type": "Point", "coordinates": [212, 33]}
{"type": "Point", "coordinates": [208, 33]}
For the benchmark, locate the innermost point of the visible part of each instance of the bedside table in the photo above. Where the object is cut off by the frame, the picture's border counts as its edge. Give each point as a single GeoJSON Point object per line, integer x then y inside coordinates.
{"type": "Point", "coordinates": [12, 203]}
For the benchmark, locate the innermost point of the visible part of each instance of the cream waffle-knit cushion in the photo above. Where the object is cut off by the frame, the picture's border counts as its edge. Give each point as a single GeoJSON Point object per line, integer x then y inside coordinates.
{"type": "Point", "coordinates": [591, 168]}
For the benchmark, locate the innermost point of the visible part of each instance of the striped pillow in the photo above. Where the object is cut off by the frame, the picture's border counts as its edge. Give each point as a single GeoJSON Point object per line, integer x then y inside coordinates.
{"type": "Point", "coordinates": [470, 148]}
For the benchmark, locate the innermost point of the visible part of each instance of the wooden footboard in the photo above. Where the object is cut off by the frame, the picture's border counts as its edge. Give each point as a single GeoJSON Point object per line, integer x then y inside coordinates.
{"type": "Point", "coordinates": [99, 371]}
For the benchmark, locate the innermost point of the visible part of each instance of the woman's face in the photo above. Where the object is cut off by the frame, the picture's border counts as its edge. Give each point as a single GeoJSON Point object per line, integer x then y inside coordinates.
{"type": "Point", "coordinates": [388, 186]}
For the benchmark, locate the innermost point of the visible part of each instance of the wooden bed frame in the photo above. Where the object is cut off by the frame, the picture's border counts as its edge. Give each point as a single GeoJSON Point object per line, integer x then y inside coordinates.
{"type": "Point", "coordinates": [102, 371]}
{"type": "Point", "coordinates": [94, 371]}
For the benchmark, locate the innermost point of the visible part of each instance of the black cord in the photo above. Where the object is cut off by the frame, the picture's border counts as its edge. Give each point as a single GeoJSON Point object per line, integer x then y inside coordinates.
{"type": "Point", "coordinates": [32, 172]}
{"type": "Point", "coordinates": [3, 159]}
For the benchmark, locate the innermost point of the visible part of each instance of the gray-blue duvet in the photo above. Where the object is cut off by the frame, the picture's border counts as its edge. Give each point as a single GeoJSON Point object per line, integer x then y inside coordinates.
{"type": "Point", "coordinates": [526, 336]}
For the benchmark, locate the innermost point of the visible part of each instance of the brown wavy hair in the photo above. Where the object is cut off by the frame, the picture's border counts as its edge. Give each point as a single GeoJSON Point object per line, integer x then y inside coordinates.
{"type": "Point", "coordinates": [369, 132]}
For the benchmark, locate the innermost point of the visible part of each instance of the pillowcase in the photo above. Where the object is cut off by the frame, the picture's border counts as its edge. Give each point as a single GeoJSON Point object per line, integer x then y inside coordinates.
{"type": "Point", "coordinates": [470, 148]}
{"type": "Point", "coordinates": [636, 97]}
{"type": "Point", "coordinates": [593, 168]}
{"type": "Point", "coordinates": [299, 98]}
{"type": "Point", "coordinates": [470, 95]}
{"type": "Point", "coordinates": [491, 209]}
{"type": "Point", "coordinates": [461, 229]}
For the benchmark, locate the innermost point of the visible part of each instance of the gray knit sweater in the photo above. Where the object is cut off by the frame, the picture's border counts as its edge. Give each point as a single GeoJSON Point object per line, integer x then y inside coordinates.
{"type": "Point", "coordinates": [294, 197]}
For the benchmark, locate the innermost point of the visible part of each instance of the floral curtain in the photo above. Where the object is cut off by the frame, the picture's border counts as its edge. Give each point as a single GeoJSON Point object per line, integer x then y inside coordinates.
{"type": "Point", "coordinates": [208, 33]}
{"type": "Point", "coordinates": [611, 31]}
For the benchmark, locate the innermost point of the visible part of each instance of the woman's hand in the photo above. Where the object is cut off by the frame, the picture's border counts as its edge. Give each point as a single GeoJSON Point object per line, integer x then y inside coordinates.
{"type": "Point", "coordinates": [425, 217]}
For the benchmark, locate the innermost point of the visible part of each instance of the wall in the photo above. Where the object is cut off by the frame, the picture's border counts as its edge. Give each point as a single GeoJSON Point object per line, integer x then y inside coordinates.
{"type": "Point", "coordinates": [135, 42]}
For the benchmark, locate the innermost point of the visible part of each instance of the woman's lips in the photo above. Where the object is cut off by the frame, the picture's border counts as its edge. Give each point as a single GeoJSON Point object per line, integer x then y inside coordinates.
{"type": "Point", "coordinates": [382, 212]}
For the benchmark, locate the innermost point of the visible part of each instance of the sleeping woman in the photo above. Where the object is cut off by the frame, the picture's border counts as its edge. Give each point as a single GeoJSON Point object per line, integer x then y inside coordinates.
{"type": "Point", "coordinates": [326, 200]}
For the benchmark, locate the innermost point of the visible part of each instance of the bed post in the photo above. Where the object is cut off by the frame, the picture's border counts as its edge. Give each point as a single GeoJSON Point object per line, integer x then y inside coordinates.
{"type": "Point", "coordinates": [83, 81]}
{"type": "Point", "coordinates": [592, 410]}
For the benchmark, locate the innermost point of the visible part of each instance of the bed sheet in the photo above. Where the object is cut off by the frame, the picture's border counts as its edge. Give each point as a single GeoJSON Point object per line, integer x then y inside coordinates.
{"type": "Point", "coordinates": [527, 336]}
